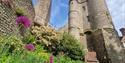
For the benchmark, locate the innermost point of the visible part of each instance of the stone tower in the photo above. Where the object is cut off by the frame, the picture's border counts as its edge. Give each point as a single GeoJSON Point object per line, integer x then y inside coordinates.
{"type": "Point", "coordinates": [79, 26]}
{"type": "Point", "coordinates": [106, 41]}
{"type": "Point", "coordinates": [42, 11]}
{"type": "Point", "coordinates": [75, 18]}
{"type": "Point", "coordinates": [27, 7]}
{"type": "Point", "coordinates": [7, 18]}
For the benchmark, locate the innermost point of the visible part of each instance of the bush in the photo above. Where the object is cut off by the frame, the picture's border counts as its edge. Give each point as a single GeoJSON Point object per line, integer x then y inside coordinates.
{"type": "Point", "coordinates": [69, 45]}
{"type": "Point", "coordinates": [55, 42]}
{"type": "Point", "coordinates": [46, 36]}
{"type": "Point", "coordinates": [12, 48]}
{"type": "Point", "coordinates": [65, 59]}
{"type": "Point", "coordinates": [10, 44]}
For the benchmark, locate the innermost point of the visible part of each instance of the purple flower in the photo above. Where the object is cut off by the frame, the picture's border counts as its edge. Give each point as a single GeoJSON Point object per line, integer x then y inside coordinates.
{"type": "Point", "coordinates": [51, 59]}
{"type": "Point", "coordinates": [23, 20]}
{"type": "Point", "coordinates": [30, 47]}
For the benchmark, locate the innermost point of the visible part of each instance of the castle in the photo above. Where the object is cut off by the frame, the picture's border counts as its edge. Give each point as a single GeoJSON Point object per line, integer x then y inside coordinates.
{"type": "Point", "coordinates": [89, 22]}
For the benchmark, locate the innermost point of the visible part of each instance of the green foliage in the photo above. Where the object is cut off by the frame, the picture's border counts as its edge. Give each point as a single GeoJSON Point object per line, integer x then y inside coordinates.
{"type": "Point", "coordinates": [56, 42]}
{"type": "Point", "coordinates": [69, 45]}
{"type": "Point", "coordinates": [11, 43]}
{"type": "Point", "coordinates": [12, 48]}
{"type": "Point", "coordinates": [23, 57]}
{"type": "Point", "coordinates": [29, 39]}
{"type": "Point", "coordinates": [20, 12]}
{"type": "Point", "coordinates": [8, 45]}
{"type": "Point", "coordinates": [64, 59]}
{"type": "Point", "coordinates": [38, 56]}
{"type": "Point", "coordinates": [46, 35]}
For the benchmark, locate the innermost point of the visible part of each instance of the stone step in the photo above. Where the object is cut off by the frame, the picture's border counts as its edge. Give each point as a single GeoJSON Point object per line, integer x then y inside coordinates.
{"type": "Point", "coordinates": [91, 57]}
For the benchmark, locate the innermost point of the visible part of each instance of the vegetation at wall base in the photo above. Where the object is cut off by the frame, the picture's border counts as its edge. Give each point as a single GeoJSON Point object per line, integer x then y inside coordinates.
{"type": "Point", "coordinates": [13, 50]}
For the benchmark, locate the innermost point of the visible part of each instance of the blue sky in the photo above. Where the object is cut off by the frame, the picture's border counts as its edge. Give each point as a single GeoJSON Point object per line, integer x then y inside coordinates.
{"type": "Point", "coordinates": [117, 10]}
{"type": "Point", "coordinates": [59, 12]}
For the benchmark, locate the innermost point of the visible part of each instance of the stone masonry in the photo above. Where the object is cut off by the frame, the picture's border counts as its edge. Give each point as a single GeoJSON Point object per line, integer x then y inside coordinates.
{"type": "Point", "coordinates": [8, 15]}
{"type": "Point", "coordinates": [42, 11]}
{"type": "Point", "coordinates": [79, 26]}
{"type": "Point", "coordinates": [91, 23]}
{"type": "Point", "coordinates": [108, 47]}
{"type": "Point", "coordinates": [7, 19]}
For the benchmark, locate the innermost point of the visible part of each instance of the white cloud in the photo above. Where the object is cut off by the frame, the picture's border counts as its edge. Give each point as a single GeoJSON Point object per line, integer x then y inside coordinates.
{"type": "Point", "coordinates": [117, 10]}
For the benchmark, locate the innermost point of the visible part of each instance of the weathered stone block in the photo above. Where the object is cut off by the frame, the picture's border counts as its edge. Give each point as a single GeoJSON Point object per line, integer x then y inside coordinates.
{"type": "Point", "coordinates": [42, 11]}
{"type": "Point", "coordinates": [7, 20]}
{"type": "Point", "coordinates": [108, 46]}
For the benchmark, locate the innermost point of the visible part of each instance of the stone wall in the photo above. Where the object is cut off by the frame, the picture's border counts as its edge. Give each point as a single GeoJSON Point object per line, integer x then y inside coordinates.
{"type": "Point", "coordinates": [8, 15]}
{"type": "Point", "coordinates": [7, 19]}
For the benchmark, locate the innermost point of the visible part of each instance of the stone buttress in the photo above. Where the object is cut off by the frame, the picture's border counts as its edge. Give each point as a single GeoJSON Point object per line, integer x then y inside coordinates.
{"type": "Point", "coordinates": [106, 40]}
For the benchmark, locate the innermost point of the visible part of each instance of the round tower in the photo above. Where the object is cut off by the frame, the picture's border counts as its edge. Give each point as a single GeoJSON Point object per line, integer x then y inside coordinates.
{"type": "Point", "coordinates": [75, 19]}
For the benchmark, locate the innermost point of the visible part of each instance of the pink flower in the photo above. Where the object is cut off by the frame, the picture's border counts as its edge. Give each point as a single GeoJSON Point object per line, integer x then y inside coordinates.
{"type": "Point", "coordinates": [51, 59]}
{"type": "Point", "coordinates": [23, 20]}
{"type": "Point", "coordinates": [30, 47]}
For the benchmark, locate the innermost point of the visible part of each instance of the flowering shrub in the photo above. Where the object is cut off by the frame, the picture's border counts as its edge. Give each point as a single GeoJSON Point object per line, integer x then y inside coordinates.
{"type": "Point", "coordinates": [46, 35]}
{"type": "Point", "coordinates": [38, 54]}
{"type": "Point", "coordinates": [56, 42]}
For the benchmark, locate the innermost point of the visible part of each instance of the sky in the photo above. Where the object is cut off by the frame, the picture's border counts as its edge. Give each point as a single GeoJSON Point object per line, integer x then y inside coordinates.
{"type": "Point", "coordinates": [59, 13]}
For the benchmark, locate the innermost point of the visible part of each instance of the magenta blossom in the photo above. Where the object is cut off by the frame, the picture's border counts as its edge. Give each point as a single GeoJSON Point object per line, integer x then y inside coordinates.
{"type": "Point", "coordinates": [51, 59]}
{"type": "Point", "coordinates": [30, 47]}
{"type": "Point", "coordinates": [23, 20]}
